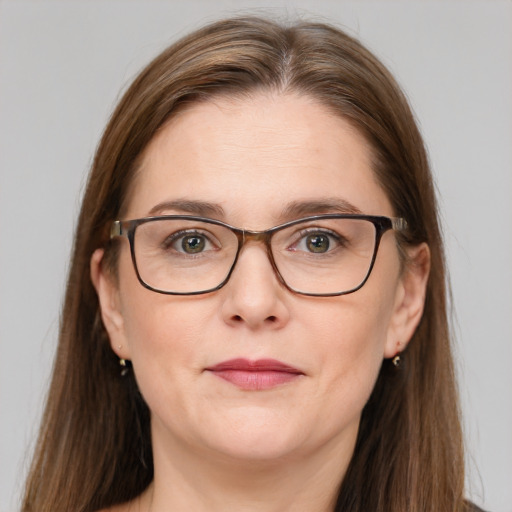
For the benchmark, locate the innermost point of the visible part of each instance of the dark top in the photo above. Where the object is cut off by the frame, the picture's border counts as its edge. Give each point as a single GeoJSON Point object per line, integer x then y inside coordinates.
{"type": "Point", "coordinates": [474, 508]}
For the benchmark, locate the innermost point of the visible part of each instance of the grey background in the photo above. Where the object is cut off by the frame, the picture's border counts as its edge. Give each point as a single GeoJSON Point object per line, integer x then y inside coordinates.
{"type": "Point", "coordinates": [62, 66]}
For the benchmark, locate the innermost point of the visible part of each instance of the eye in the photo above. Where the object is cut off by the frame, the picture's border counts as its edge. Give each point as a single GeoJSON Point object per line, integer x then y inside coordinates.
{"type": "Point", "coordinates": [317, 242]}
{"type": "Point", "coordinates": [189, 242]}
{"type": "Point", "coordinates": [193, 244]}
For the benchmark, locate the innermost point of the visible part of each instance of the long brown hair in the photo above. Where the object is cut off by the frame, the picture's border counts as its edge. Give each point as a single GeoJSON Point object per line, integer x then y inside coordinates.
{"type": "Point", "coordinates": [94, 448]}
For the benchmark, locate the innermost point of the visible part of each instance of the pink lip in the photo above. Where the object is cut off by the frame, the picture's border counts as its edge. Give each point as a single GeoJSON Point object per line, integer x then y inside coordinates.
{"type": "Point", "coordinates": [255, 375]}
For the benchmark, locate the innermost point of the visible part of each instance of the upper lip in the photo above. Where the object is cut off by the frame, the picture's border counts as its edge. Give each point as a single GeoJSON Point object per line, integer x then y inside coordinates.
{"type": "Point", "coordinates": [259, 365]}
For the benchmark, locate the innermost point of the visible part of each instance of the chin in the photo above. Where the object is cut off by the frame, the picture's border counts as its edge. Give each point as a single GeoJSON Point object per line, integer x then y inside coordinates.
{"type": "Point", "coordinates": [254, 448]}
{"type": "Point", "coordinates": [256, 436]}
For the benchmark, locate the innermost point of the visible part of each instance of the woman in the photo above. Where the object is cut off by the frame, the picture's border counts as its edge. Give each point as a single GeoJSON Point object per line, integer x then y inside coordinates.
{"type": "Point", "coordinates": [255, 316]}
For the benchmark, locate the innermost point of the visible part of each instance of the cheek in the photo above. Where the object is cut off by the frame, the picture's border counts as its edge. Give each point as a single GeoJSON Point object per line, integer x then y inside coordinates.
{"type": "Point", "coordinates": [168, 343]}
{"type": "Point", "coordinates": [162, 329]}
{"type": "Point", "coordinates": [161, 332]}
{"type": "Point", "coordinates": [349, 340]}
{"type": "Point", "coordinates": [151, 320]}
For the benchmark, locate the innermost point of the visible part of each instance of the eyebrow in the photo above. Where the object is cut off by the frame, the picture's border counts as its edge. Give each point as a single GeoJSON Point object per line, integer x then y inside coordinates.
{"type": "Point", "coordinates": [298, 209]}
{"type": "Point", "coordinates": [293, 210]}
{"type": "Point", "coordinates": [188, 206]}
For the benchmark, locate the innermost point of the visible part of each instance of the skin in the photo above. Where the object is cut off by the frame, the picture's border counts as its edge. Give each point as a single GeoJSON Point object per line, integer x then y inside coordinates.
{"type": "Point", "coordinates": [217, 447]}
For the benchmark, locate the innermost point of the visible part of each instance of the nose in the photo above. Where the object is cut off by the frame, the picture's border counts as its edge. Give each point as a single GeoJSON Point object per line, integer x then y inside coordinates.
{"type": "Point", "coordinates": [254, 297]}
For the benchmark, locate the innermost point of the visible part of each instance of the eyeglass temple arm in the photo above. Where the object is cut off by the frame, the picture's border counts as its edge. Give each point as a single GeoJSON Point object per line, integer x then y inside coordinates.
{"type": "Point", "coordinates": [116, 229]}
{"type": "Point", "coordinates": [399, 224]}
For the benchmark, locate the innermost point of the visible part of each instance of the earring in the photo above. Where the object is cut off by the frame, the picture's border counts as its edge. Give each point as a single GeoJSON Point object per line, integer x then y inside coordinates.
{"type": "Point", "coordinates": [124, 367]}
{"type": "Point", "coordinates": [397, 361]}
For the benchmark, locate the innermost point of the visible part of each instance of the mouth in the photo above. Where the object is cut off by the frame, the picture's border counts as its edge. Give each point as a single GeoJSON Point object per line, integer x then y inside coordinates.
{"type": "Point", "coordinates": [255, 375]}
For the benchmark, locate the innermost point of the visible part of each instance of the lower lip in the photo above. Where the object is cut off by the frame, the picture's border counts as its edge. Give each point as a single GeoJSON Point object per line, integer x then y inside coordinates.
{"type": "Point", "coordinates": [256, 380]}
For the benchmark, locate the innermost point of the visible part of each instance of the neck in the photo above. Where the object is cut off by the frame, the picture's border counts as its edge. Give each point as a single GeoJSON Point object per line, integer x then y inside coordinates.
{"type": "Point", "coordinates": [188, 480]}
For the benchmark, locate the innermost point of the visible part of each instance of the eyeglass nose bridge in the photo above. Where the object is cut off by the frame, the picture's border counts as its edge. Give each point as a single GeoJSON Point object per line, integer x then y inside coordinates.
{"type": "Point", "coordinates": [247, 235]}
{"type": "Point", "coordinates": [256, 236]}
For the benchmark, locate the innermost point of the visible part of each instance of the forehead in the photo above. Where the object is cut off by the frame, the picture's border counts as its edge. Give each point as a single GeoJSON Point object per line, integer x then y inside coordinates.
{"type": "Point", "coordinates": [255, 155]}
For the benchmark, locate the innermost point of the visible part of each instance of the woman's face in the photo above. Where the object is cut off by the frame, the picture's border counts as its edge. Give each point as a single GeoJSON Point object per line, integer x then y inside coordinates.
{"type": "Point", "coordinates": [256, 163]}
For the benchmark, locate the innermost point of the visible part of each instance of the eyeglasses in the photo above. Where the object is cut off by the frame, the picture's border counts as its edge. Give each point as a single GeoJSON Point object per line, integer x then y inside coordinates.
{"type": "Point", "coordinates": [322, 255]}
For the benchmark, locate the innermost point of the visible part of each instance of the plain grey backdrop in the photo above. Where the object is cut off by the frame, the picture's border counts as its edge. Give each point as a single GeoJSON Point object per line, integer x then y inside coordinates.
{"type": "Point", "coordinates": [62, 66]}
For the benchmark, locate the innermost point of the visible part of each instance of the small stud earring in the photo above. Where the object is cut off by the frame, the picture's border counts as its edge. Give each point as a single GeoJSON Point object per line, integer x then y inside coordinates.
{"type": "Point", "coordinates": [397, 361]}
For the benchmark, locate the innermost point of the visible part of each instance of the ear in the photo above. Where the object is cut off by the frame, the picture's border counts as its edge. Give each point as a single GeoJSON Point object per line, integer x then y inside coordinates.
{"type": "Point", "coordinates": [110, 306]}
{"type": "Point", "coordinates": [409, 300]}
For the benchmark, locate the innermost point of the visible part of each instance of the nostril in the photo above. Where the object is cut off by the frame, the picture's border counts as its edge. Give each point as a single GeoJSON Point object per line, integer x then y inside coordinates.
{"type": "Point", "coordinates": [270, 319]}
